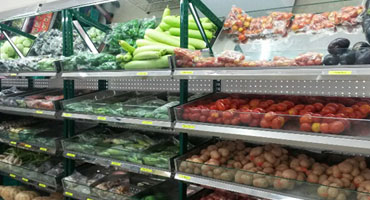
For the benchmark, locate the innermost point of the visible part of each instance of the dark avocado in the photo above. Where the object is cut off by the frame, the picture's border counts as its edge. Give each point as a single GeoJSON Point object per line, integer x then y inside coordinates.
{"type": "Point", "coordinates": [338, 46]}
{"type": "Point", "coordinates": [331, 60]}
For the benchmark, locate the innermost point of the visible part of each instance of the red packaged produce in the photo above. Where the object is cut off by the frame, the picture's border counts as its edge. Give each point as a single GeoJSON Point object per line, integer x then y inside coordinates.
{"type": "Point", "coordinates": [208, 62]}
{"type": "Point", "coordinates": [34, 103]}
{"type": "Point", "coordinates": [283, 61]}
{"type": "Point", "coordinates": [34, 97]}
{"type": "Point", "coordinates": [301, 22]}
{"type": "Point", "coordinates": [54, 98]}
{"type": "Point", "coordinates": [229, 56]}
{"type": "Point", "coordinates": [309, 59]}
{"type": "Point", "coordinates": [47, 105]}
{"type": "Point", "coordinates": [322, 21]}
{"type": "Point", "coordinates": [256, 27]}
{"type": "Point", "coordinates": [349, 15]}
{"type": "Point", "coordinates": [237, 21]}
{"type": "Point", "coordinates": [281, 22]}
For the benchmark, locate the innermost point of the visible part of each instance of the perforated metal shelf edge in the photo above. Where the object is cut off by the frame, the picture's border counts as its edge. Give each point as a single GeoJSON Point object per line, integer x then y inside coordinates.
{"type": "Point", "coordinates": [298, 139]}
{"type": "Point", "coordinates": [348, 72]}
{"type": "Point", "coordinates": [257, 192]}
{"type": "Point", "coordinates": [29, 112]}
{"type": "Point", "coordinates": [118, 74]}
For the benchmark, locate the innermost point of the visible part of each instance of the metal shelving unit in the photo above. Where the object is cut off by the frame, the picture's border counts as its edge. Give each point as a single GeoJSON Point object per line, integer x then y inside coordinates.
{"type": "Point", "coordinates": [34, 183]}
{"type": "Point", "coordinates": [29, 112]}
{"type": "Point", "coordinates": [119, 74]}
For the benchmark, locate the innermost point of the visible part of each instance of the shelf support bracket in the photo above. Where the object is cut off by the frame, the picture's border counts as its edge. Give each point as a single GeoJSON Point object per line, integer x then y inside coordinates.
{"type": "Point", "coordinates": [85, 20]}
{"type": "Point", "coordinates": [4, 27]}
{"type": "Point", "coordinates": [207, 12]}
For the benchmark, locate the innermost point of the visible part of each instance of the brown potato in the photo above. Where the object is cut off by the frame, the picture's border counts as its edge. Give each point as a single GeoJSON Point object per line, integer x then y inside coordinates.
{"type": "Point", "coordinates": [312, 178]}
{"type": "Point", "coordinates": [268, 170]}
{"type": "Point", "coordinates": [336, 172]}
{"type": "Point", "coordinates": [322, 191]}
{"type": "Point", "coordinates": [246, 179]}
{"type": "Point", "coordinates": [260, 182]}
{"type": "Point", "coordinates": [256, 151]}
{"type": "Point", "coordinates": [290, 174]}
{"type": "Point", "coordinates": [211, 148]}
{"type": "Point", "coordinates": [345, 167]}
{"type": "Point", "coordinates": [323, 178]}
{"type": "Point", "coordinates": [277, 152]}
{"type": "Point", "coordinates": [355, 172]}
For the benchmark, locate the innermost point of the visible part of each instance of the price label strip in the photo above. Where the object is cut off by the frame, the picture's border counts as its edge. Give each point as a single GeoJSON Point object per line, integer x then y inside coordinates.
{"type": "Point", "coordinates": [43, 149]}
{"type": "Point", "coordinates": [147, 122]}
{"type": "Point", "coordinates": [68, 194]}
{"type": "Point", "coordinates": [24, 179]}
{"type": "Point", "coordinates": [13, 143]}
{"type": "Point", "coordinates": [184, 177]}
{"type": "Point", "coordinates": [101, 118]}
{"type": "Point", "coordinates": [186, 72]}
{"type": "Point", "coordinates": [116, 164]}
{"type": "Point", "coordinates": [188, 126]}
{"type": "Point", "coordinates": [39, 112]}
{"type": "Point", "coordinates": [71, 155]}
{"type": "Point", "coordinates": [27, 145]}
{"type": "Point", "coordinates": [142, 73]}
{"type": "Point", "coordinates": [340, 72]}
{"type": "Point", "coordinates": [12, 175]}
{"type": "Point", "coordinates": [13, 74]}
{"type": "Point", "coordinates": [146, 170]}
{"type": "Point", "coordinates": [67, 115]}
{"type": "Point", "coordinates": [42, 185]}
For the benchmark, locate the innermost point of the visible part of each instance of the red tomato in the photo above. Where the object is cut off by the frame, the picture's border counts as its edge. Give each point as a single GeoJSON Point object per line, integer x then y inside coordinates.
{"type": "Point", "coordinates": [227, 114]}
{"type": "Point", "coordinates": [278, 122]}
{"type": "Point", "coordinates": [307, 118]}
{"type": "Point", "coordinates": [336, 127]}
{"type": "Point", "coordinates": [265, 124]}
{"type": "Point", "coordinates": [324, 128]}
{"type": "Point", "coordinates": [270, 116]}
{"type": "Point", "coordinates": [254, 122]}
{"type": "Point", "coordinates": [235, 121]}
{"type": "Point", "coordinates": [245, 118]}
{"type": "Point", "coordinates": [185, 116]}
{"type": "Point", "coordinates": [220, 106]}
{"type": "Point", "coordinates": [194, 116]}
{"type": "Point", "coordinates": [318, 106]}
{"type": "Point", "coordinates": [305, 127]}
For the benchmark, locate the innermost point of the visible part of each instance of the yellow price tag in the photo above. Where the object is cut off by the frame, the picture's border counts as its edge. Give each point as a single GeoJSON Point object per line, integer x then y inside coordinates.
{"type": "Point", "coordinates": [142, 73]}
{"type": "Point", "coordinates": [147, 122]}
{"type": "Point", "coordinates": [13, 74]}
{"type": "Point", "coordinates": [24, 179]}
{"type": "Point", "coordinates": [187, 72]}
{"type": "Point", "coordinates": [43, 149]}
{"type": "Point", "coordinates": [67, 115]}
{"type": "Point", "coordinates": [340, 72]}
{"type": "Point", "coordinates": [27, 145]}
{"type": "Point", "coordinates": [102, 118]}
{"type": "Point", "coordinates": [12, 175]}
{"type": "Point", "coordinates": [146, 170]}
{"type": "Point", "coordinates": [70, 155]}
{"type": "Point", "coordinates": [89, 199]}
{"type": "Point", "coordinates": [39, 112]}
{"type": "Point", "coordinates": [188, 126]}
{"type": "Point", "coordinates": [116, 164]}
{"type": "Point", "coordinates": [13, 143]}
{"type": "Point", "coordinates": [42, 185]}
{"type": "Point", "coordinates": [68, 194]}
{"type": "Point", "coordinates": [184, 177]}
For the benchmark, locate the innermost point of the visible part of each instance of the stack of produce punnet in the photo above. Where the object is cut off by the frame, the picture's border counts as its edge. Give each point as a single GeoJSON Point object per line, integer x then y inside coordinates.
{"type": "Point", "coordinates": [36, 167]}
{"type": "Point", "coordinates": [136, 105]}
{"type": "Point", "coordinates": [106, 183]}
{"type": "Point", "coordinates": [22, 193]}
{"type": "Point", "coordinates": [13, 91]}
{"type": "Point", "coordinates": [291, 171]}
{"type": "Point", "coordinates": [326, 115]}
{"type": "Point", "coordinates": [131, 146]}
{"type": "Point", "coordinates": [337, 36]}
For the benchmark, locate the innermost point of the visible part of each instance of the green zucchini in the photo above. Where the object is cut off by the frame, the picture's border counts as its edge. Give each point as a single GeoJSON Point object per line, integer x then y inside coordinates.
{"type": "Point", "coordinates": [164, 49]}
{"type": "Point", "coordinates": [126, 46]}
{"type": "Point", "coordinates": [148, 64]}
{"type": "Point", "coordinates": [143, 42]}
{"type": "Point", "coordinates": [174, 21]}
{"type": "Point", "coordinates": [148, 55]}
{"type": "Point", "coordinates": [172, 40]}
{"type": "Point", "coordinates": [164, 26]}
{"type": "Point", "coordinates": [127, 57]}
{"type": "Point", "coordinates": [192, 33]}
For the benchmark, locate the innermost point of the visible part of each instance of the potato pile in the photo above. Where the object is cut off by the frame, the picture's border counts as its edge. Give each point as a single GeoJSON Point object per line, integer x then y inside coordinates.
{"type": "Point", "coordinates": [271, 166]}
{"type": "Point", "coordinates": [20, 193]}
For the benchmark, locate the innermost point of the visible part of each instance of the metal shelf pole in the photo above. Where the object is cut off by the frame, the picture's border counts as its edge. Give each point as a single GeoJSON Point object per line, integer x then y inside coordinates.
{"type": "Point", "coordinates": [184, 13]}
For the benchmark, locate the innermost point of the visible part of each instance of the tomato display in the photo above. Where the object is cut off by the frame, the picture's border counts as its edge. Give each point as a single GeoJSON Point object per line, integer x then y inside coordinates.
{"type": "Point", "coordinates": [225, 195]}
{"type": "Point", "coordinates": [312, 114]}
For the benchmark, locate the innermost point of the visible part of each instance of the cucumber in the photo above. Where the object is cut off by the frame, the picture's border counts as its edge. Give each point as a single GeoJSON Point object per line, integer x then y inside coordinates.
{"type": "Point", "coordinates": [192, 33]}
{"type": "Point", "coordinates": [161, 48]}
{"type": "Point", "coordinates": [160, 63]}
{"type": "Point", "coordinates": [126, 46]}
{"type": "Point", "coordinates": [164, 26]}
{"type": "Point", "coordinates": [148, 55]}
{"type": "Point", "coordinates": [174, 21]}
{"type": "Point", "coordinates": [127, 57]}
{"type": "Point", "coordinates": [143, 42]}
{"type": "Point", "coordinates": [172, 40]}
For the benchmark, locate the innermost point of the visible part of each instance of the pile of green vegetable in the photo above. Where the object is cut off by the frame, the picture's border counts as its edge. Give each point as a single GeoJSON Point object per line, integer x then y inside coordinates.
{"type": "Point", "coordinates": [28, 64]}
{"type": "Point", "coordinates": [23, 44]}
{"type": "Point", "coordinates": [97, 36]}
{"type": "Point", "coordinates": [143, 107]}
{"type": "Point", "coordinates": [132, 146]}
{"type": "Point", "coordinates": [129, 31]}
{"type": "Point", "coordinates": [84, 61]}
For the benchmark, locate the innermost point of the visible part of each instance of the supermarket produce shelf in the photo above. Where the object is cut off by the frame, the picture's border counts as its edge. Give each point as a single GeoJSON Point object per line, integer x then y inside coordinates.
{"type": "Point", "coordinates": [126, 120]}
{"type": "Point", "coordinates": [75, 195]}
{"type": "Point", "coordinates": [30, 147]}
{"type": "Point", "coordinates": [29, 181]}
{"type": "Point", "coordinates": [131, 167]}
{"type": "Point", "coordinates": [26, 74]}
{"type": "Point", "coordinates": [29, 112]}
{"type": "Point", "coordinates": [257, 192]}
{"type": "Point", "coordinates": [350, 72]}
{"type": "Point", "coordinates": [117, 74]}
{"type": "Point", "coordinates": [291, 138]}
